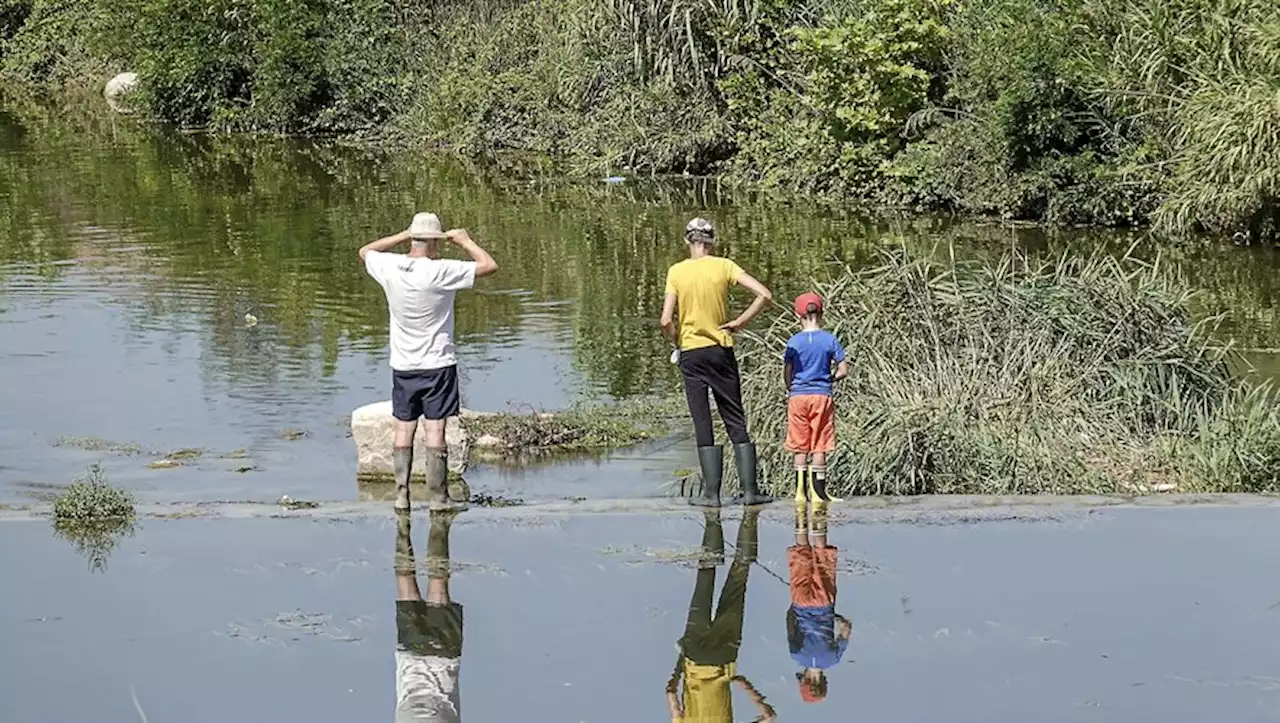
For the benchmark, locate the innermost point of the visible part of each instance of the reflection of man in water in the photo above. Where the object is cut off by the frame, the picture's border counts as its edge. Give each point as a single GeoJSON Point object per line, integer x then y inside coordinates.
{"type": "Point", "coordinates": [708, 661]}
{"type": "Point", "coordinates": [428, 632]}
{"type": "Point", "coordinates": [812, 620]}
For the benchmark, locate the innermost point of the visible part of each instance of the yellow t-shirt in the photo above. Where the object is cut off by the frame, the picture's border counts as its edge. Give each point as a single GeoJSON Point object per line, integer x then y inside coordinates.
{"type": "Point", "coordinates": [701, 287]}
{"type": "Point", "coordinates": [706, 692]}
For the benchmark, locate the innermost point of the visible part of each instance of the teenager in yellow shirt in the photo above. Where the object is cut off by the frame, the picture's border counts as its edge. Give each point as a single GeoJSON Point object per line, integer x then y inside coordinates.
{"type": "Point", "coordinates": [708, 662]}
{"type": "Point", "coordinates": [695, 315]}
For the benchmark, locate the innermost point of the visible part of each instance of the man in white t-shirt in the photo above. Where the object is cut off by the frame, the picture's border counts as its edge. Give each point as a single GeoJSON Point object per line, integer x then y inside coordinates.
{"type": "Point", "coordinates": [420, 287]}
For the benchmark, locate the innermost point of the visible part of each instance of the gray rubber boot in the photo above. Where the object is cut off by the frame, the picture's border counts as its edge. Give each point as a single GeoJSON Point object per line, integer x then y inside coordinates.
{"type": "Point", "coordinates": [711, 460]}
{"type": "Point", "coordinates": [404, 563]}
{"type": "Point", "coordinates": [744, 455]}
{"type": "Point", "coordinates": [438, 563]}
{"type": "Point", "coordinates": [437, 467]}
{"type": "Point", "coordinates": [402, 466]}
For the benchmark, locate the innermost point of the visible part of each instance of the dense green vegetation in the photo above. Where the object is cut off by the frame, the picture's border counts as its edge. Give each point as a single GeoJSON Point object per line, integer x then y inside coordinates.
{"type": "Point", "coordinates": [1087, 376]}
{"type": "Point", "coordinates": [1113, 112]}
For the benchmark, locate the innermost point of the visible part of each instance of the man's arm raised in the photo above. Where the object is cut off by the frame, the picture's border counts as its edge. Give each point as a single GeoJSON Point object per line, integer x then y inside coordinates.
{"type": "Point", "coordinates": [384, 244]}
{"type": "Point", "coordinates": [485, 265]}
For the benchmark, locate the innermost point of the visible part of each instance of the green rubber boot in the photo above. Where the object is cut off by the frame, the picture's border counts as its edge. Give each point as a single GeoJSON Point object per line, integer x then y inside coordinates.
{"type": "Point", "coordinates": [711, 460]}
{"type": "Point", "coordinates": [437, 468]}
{"type": "Point", "coordinates": [745, 456]}
{"type": "Point", "coordinates": [402, 466]}
{"type": "Point", "coordinates": [712, 553]}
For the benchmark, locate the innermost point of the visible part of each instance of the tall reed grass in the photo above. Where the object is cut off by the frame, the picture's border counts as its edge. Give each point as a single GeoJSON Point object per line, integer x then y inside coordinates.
{"type": "Point", "coordinates": [1087, 375]}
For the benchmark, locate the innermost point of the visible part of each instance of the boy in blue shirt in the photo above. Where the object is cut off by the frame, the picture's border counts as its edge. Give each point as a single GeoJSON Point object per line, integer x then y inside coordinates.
{"type": "Point", "coordinates": [811, 414]}
{"type": "Point", "coordinates": [817, 635]}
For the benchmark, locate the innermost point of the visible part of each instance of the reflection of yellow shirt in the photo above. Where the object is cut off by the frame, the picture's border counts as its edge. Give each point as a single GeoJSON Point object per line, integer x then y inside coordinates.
{"type": "Point", "coordinates": [701, 287]}
{"type": "Point", "coordinates": [706, 692]}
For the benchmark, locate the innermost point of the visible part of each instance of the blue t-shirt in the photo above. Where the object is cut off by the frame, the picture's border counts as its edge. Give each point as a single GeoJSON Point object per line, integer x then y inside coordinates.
{"type": "Point", "coordinates": [816, 644]}
{"type": "Point", "coordinates": [811, 354]}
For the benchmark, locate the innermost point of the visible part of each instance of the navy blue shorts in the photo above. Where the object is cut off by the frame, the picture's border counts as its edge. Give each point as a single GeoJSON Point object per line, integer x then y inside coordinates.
{"type": "Point", "coordinates": [430, 393]}
{"type": "Point", "coordinates": [428, 629]}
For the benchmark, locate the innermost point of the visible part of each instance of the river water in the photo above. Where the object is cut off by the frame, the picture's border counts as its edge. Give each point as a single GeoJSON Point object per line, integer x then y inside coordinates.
{"type": "Point", "coordinates": [129, 258]}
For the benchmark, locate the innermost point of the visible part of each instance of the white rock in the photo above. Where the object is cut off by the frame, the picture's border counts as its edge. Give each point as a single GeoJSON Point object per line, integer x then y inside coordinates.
{"type": "Point", "coordinates": [373, 429]}
{"type": "Point", "coordinates": [118, 88]}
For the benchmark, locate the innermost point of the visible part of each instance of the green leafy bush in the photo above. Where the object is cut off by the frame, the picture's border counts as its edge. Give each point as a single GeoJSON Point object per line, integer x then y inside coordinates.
{"type": "Point", "coordinates": [49, 41]}
{"type": "Point", "coordinates": [262, 65]}
{"type": "Point", "coordinates": [841, 94]}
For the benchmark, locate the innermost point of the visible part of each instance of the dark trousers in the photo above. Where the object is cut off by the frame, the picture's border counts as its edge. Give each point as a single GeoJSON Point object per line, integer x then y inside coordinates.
{"type": "Point", "coordinates": [714, 369]}
{"type": "Point", "coordinates": [714, 639]}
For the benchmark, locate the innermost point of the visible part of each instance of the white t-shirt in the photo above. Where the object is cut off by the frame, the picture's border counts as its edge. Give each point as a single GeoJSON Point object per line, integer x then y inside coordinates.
{"type": "Point", "coordinates": [420, 295]}
{"type": "Point", "coordinates": [427, 688]}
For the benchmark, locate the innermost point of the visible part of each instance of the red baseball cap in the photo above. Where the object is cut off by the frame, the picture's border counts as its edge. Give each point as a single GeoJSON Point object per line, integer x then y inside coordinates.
{"type": "Point", "coordinates": [805, 300]}
{"type": "Point", "coordinates": [812, 694]}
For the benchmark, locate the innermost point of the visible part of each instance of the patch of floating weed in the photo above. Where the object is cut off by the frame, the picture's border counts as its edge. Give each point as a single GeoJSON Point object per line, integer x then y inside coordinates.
{"type": "Point", "coordinates": [93, 516]}
{"type": "Point", "coordinates": [91, 498]}
{"type": "Point", "coordinates": [483, 499]}
{"type": "Point", "coordinates": [291, 627]}
{"type": "Point", "coordinates": [96, 444]}
{"type": "Point", "coordinates": [183, 455]}
{"type": "Point", "coordinates": [290, 503]}
{"type": "Point", "coordinates": [657, 555]}
{"type": "Point", "coordinates": [578, 429]}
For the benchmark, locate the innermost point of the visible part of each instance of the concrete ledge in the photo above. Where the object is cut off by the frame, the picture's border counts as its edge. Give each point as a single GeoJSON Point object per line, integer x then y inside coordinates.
{"type": "Point", "coordinates": [920, 510]}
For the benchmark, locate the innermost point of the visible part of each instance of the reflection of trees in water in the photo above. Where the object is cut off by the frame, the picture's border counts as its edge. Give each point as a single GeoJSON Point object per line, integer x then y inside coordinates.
{"type": "Point", "coordinates": [237, 224]}
{"type": "Point", "coordinates": [94, 540]}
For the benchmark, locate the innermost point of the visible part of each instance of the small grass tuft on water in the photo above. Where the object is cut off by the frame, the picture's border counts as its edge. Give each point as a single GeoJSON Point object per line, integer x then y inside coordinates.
{"type": "Point", "coordinates": [93, 515]}
{"type": "Point", "coordinates": [91, 498]}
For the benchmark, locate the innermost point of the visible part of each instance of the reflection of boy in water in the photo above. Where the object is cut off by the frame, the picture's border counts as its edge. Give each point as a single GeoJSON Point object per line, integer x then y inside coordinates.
{"type": "Point", "coordinates": [428, 632]}
{"type": "Point", "coordinates": [708, 661]}
{"type": "Point", "coordinates": [811, 620]}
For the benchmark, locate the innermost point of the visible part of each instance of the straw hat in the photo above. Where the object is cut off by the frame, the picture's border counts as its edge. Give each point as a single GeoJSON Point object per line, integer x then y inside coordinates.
{"type": "Point", "coordinates": [425, 226]}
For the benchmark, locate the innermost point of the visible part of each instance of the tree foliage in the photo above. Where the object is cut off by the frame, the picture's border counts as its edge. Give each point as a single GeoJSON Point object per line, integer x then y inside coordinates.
{"type": "Point", "coordinates": [1110, 112]}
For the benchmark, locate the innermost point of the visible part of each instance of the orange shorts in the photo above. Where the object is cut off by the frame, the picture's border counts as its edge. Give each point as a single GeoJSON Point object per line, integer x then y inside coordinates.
{"type": "Point", "coordinates": [811, 423]}
{"type": "Point", "coordinates": [813, 576]}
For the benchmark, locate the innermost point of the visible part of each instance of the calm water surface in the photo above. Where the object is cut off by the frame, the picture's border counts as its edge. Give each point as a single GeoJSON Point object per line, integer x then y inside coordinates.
{"type": "Point", "coordinates": [1119, 616]}
{"type": "Point", "coordinates": [129, 259]}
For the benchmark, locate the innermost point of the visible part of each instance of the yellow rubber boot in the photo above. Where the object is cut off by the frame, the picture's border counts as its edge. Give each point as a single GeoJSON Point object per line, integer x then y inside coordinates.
{"type": "Point", "coordinates": [818, 520]}
{"type": "Point", "coordinates": [802, 486]}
